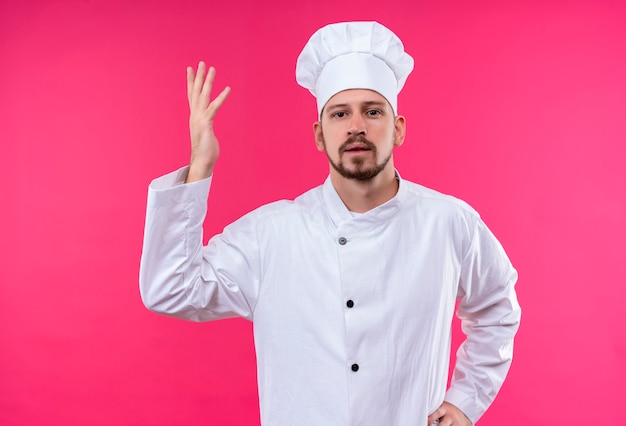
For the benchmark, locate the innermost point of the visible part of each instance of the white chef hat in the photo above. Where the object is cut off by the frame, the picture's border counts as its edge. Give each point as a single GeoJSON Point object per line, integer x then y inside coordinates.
{"type": "Point", "coordinates": [353, 55]}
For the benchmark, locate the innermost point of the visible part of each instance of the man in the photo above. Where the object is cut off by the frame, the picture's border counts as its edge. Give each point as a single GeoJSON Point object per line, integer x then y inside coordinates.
{"type": "Point", "coordinates": [352, 286]}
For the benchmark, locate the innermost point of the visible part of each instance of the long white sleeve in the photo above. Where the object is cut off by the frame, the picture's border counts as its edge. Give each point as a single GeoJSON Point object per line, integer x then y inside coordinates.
{"type": "Point", "coordinates": [178, 276]}
{"type": "Point", "coordinates": [490, 316]}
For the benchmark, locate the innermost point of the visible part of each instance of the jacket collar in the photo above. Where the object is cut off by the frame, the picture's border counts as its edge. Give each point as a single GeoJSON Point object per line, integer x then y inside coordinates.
{"type": "Point", "coordinates": [340, 215]}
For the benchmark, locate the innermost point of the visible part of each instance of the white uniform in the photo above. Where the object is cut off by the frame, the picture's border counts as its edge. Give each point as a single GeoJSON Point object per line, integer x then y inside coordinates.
{"type": "Point", "coordinates": [352, 314]}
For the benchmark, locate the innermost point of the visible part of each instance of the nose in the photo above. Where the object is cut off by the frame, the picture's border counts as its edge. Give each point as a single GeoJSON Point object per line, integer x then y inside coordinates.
{"type": "Point", "coordinates": [356, 126]}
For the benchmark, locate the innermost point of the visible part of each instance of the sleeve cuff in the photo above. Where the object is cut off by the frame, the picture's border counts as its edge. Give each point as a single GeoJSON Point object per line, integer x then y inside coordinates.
{"type": "Point", "coordinates": [465, 403]}
{"type": "Point", "coordinates": [171, 188]}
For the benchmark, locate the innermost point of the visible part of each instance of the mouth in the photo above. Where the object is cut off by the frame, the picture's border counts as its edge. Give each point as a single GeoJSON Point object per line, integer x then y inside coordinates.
{"type": "Point", "coordinates": [356, 148]}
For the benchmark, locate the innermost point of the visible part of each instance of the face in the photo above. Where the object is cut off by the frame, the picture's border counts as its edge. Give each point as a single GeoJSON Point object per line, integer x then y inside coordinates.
{"type": "Point", "coordinates": [358, 132]}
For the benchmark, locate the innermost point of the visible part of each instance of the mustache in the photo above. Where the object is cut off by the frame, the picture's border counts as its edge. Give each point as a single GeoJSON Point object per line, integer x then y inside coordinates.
{"type": "Point", "coordinates": [357, 138]}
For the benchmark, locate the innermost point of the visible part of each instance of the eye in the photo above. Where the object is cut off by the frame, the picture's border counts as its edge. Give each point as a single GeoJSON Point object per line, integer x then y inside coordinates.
{"type": "Point", "coordinates": [373, 113]}
{"type": "Point", "coordinates": [339, 114]}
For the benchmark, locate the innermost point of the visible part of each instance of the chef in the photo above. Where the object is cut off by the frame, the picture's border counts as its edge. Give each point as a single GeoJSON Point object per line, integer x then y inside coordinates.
{"type": "Point", "coordinates": [353, 285]}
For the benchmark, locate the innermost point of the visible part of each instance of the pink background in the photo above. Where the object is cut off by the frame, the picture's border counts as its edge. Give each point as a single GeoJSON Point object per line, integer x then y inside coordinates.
{"type": "Point", "coordinates": [517, 107]}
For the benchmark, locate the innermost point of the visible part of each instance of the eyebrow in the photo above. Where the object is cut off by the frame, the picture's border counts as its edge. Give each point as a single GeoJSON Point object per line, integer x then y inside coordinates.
{"type": "Point", "coordinates": [362, 105]}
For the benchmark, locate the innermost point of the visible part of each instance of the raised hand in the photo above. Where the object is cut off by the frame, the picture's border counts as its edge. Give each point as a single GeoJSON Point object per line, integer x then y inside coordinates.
{"type": "Point", "coordinates": [204, 146]}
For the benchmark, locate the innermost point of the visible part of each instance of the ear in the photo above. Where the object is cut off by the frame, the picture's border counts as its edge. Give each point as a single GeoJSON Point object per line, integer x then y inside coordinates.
{"type": "Point", "coordinates": [319, 135]}
{"type": "Point", "coordinates": [399, 130]}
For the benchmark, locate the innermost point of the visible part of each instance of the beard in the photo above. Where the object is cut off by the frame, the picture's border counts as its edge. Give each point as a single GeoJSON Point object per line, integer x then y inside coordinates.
{"type": "Point", "coordinates": [360, 170]}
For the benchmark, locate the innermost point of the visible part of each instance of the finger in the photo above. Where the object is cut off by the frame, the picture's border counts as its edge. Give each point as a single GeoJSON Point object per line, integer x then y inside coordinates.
{"type": "Point", "coordinates": [205, 95]}
{"type": "Point", "coordinates": [197, 82]}
{"type": "Point", "coordinates": [434, 417]}
{"type": "Point", "coordinates": [190, 78]}
{"type": "Point", "coordinates": [218, 101]}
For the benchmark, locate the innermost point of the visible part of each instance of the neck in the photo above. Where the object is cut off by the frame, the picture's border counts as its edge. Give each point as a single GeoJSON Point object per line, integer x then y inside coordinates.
{"type": "Point", "coordinates": [362, 196]}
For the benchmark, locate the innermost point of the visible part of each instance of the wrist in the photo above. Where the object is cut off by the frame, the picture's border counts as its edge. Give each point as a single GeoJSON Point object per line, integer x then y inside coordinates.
{"type": "Point", "coordinates": [197, 172]}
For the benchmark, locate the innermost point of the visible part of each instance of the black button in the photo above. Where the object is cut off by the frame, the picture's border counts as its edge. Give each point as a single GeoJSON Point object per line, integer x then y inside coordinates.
{"type": "Point", "coordinates": [355, 367]}
{"type": "Point", "coordinates": [349, 303]}
{"type": "Point", "coordinates": [342, 241]}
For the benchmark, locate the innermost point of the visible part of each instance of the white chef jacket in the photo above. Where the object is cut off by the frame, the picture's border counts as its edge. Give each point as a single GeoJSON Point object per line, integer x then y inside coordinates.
{"type": "Point", "coordinates": [352, 314]}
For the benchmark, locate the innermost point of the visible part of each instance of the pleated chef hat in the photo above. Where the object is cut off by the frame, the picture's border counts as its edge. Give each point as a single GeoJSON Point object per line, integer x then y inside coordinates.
{"type": "Point", "coordinates": [353, 55]}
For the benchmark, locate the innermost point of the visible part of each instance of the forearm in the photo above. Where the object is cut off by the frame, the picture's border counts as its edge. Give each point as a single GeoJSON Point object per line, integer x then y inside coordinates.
{"type": "Point", "coordinates": [171, 260]}
{"type": "Point", "coordinates": [484, 358]}
{"type": "Point", "coordinates": [490, 316]}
